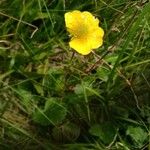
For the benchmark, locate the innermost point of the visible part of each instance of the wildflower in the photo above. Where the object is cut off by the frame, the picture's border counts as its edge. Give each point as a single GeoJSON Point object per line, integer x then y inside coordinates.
{"type": "Point", "coordinates": [85, 32]}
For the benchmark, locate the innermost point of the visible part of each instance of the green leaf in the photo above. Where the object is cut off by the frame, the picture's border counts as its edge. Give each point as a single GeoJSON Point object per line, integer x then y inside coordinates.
{"type": "Point", "coordinates": [53, 113]}
{"type": "Point", "coordinates": [39, 88]}
{"type": "Point", "coordinates": [111, 59]}
{"type": "Point", "coordinates": [80, 89]}
{"type": "Point", "coordinates": [105, 132]}
{"type": "Point", "coordinates": [40, 56]}
{"type": "Point", "coordinates": [103, 73]}
{"type": "Point", "coordinates": [137, 134]}
{"type": "Point", "coordinates": [55, 80]}
{"type": "Point", "coordinates": [66, 132]}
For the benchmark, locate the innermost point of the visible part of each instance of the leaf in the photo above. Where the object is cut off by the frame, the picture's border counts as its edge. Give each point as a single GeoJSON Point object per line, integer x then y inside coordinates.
{"type": "Point", "coordinates": [80, 89]}
{"type": "Point", "coordinates": [103, 73]}
{"type": "Point", "coordinates": [55, 80]}
{"type": "Point", "coordinates": [67, 132]}
{"type": "Point", "coordinates": [40, 56]}
{"type": "Point", "coordinates": [27, 99]}
{"type": "Point", "coordinates": [53, 113]}
{"type": "Point", "coordinates": [137, 134]}
{"type": "Point", "coordinates": [39, 88]}
{"type": "Point", "coordinates": [111, 59]}
{"type": "Point", "coordinates": [41, 15]}
{"type": "Point", "coordinates": [105, 132]}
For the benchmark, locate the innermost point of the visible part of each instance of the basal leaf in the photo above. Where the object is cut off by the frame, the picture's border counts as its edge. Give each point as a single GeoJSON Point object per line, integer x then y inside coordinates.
{"type": "Point", "coordinates": [53, 113]}
{"type": "Point", "coordinates": [105, 132]}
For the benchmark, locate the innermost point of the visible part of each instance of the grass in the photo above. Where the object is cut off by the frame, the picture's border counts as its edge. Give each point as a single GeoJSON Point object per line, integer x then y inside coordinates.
{"type": "Point", "coordinates": [53, 98]}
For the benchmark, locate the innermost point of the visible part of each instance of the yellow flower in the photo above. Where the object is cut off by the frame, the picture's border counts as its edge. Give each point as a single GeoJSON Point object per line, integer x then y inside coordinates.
{"type": "Point", "coordinates": [85, 32]}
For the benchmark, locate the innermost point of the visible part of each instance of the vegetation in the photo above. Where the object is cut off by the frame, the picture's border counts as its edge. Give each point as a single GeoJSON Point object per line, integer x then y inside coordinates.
{"type": "Point", "coordinates": [54, 98]}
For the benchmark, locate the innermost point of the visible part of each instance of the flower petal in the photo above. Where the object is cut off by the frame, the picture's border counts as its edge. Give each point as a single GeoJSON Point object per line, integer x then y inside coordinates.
{"type": "Point", "coordinates": [71, 19]}
{"type": "Point", "coordinates": [89, 19]}
{"type": "Point", "coordinates": [81, 46]}
{"type": "Point", "coordinates": [96, 38]}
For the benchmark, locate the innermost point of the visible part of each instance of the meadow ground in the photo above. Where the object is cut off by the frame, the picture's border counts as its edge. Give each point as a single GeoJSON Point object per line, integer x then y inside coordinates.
{"type": "Point", "coordinates": [54, 98]}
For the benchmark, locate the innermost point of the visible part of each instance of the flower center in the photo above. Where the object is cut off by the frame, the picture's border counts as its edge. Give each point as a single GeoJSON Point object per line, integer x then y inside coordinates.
{"type": "Point", "coordinates": [80, 31]}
